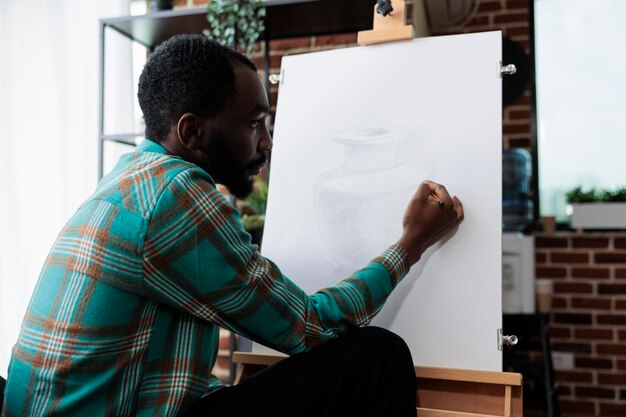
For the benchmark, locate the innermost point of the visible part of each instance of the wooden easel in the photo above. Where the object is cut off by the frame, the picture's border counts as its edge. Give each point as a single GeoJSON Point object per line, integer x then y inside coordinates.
{"type": "Point", "coordinates": [441, 392]}
{"type": "Point", "coordinates": [388, 28]}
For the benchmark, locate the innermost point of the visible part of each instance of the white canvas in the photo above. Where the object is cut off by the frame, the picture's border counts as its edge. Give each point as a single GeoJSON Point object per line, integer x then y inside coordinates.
{"type": "Point", "coordinates": [356, 131]}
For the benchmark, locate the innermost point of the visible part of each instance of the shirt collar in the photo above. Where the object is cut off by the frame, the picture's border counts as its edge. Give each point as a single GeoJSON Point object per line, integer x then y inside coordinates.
{"type": "Point", "coordinates": [147, 145]}
{"type": "Point", "coordinates": [150, 146]}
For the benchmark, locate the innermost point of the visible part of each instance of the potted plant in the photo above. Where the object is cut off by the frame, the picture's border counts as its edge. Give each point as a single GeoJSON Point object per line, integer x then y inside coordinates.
{"type": "Point", "coordinates": [236, 23]}
{"type": "Point", "coordinates": [597, 209]}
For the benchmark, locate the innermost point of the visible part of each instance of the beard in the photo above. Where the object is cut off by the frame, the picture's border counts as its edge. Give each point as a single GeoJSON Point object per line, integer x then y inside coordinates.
{"type": "Point", "coordinates": [224, 168]}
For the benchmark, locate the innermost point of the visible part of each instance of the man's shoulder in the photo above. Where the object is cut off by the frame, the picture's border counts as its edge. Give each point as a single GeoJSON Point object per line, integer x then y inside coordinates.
{"type": "Point", "coordinates": [137, 182]}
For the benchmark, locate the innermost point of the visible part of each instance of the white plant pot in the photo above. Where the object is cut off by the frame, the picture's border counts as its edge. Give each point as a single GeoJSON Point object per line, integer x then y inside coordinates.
{"type": "Point", "coordinates": [598, 215]}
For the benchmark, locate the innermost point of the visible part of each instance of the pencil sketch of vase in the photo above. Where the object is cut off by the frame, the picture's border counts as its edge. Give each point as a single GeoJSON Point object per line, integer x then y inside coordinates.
{"type": "Point", "coordinates": [359, 205]}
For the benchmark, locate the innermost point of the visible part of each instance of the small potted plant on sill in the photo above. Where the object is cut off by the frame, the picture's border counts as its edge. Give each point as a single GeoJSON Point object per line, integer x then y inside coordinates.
{"type": "Point", "coordinates": [597, 209]}
{"type": "Point", "coordinates": [236, 23]}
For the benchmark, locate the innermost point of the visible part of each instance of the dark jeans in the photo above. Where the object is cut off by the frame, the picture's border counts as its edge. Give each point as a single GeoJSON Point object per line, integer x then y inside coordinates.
{"type": "Point", "coordinates": [366, 372]}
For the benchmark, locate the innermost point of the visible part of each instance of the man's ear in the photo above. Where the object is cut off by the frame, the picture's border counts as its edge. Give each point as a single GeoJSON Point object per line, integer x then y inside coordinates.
{"type": "Point", "coordinates": [190, 132]}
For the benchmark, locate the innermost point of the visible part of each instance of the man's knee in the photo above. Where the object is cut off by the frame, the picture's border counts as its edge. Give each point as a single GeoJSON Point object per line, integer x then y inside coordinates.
{"type": "Point", "coordinates": [384, 337]}
{"type": "Point", "coordinates": [391, 352]}
{"type": "Point", "coordinates": [384, 343]}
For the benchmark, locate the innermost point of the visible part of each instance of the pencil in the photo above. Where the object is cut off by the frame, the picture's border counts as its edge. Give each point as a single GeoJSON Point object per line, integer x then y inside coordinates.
{"type": "Point", "coordinates": [437, 199]}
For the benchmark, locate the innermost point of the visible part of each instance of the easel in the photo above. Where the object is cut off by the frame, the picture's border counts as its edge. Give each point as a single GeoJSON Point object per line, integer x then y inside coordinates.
{"type": "Point", "coordinates": [441, 392]}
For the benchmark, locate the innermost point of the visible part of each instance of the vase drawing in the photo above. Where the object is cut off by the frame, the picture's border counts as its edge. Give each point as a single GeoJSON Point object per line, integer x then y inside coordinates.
{"type": "Point", "coordinates": [359, 205]}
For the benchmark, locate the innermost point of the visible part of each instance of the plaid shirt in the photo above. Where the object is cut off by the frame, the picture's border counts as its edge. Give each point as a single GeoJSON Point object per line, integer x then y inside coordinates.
{"type": "Point", "coordinates": [124, 318]}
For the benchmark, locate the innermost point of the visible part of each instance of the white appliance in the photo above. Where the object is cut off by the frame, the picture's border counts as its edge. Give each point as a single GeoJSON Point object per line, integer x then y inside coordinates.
{"type": "Point", "coordinates": [518, 273]}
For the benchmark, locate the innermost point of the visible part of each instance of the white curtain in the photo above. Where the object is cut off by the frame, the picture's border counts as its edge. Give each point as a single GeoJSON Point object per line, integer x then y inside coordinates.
{"type": "Point", "coordinates": [48, 134]}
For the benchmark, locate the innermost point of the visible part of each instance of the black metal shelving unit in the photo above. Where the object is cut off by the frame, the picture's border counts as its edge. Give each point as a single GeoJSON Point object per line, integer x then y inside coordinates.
{"type": "Point", "coordinates": [284, 19]}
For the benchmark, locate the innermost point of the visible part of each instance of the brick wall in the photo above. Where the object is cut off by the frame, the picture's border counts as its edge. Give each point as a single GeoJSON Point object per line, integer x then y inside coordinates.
{"type": "Point", "coordinates": [588, 317]}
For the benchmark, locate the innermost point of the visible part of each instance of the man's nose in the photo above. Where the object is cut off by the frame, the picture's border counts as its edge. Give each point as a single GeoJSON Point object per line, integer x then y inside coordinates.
{"type": "Point", "coordinates": [266, 143]}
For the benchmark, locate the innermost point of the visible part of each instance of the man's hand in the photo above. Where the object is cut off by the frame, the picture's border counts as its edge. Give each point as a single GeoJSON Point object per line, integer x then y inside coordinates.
{"type": "Point", "coordinates": [430, 215]}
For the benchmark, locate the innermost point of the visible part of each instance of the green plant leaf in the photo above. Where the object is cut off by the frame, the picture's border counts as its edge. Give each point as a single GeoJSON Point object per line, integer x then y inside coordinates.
{"type": "Point", "coordinates": [578, 195]}
{"type": "Point", "coordinates": [236, 22]}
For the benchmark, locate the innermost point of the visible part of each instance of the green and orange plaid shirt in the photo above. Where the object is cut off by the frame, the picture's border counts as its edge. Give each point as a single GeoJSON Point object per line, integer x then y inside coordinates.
{"type": "Point", "coordinates": [124, 318]}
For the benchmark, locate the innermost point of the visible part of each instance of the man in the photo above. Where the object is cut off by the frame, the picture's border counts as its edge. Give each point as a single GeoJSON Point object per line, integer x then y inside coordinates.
{"type": "Point", "coordinates": [124, 319]}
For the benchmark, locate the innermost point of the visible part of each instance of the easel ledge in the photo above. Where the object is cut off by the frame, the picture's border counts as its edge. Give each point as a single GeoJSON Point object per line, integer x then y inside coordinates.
{"type": "Point", "coordinates": [388, 28]}
{"type": "Point", "coordinates": [441, 392]}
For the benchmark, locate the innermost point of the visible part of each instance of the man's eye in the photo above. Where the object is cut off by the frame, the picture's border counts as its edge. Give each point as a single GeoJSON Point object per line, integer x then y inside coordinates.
{"type": "Point", "coordinates": [255, 123]}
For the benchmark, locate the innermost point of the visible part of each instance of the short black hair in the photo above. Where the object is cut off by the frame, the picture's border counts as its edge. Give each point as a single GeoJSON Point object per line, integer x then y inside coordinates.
{"type": "Point", "coordinates": [186, 73]}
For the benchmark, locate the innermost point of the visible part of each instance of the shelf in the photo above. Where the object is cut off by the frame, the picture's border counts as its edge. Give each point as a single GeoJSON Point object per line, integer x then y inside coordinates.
{"type": "Point", "coordinates": [285, 19]}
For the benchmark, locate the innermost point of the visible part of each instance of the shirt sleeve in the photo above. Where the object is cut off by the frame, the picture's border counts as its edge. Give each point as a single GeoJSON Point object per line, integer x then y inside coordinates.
{"type": "Point", "coordinates": [199, 259]}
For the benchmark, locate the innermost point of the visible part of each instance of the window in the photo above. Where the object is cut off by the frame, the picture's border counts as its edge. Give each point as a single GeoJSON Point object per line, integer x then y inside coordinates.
{"type": "Point", "coordinates": [580, 66]}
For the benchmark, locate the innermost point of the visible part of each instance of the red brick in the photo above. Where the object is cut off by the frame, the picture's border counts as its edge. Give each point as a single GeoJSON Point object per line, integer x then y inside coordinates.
{"type": "Point", "coordinates": [541, 257]}
{"type": "Point", "coordinates": [620, 243]}
{"type": "Point", "coordinates": [621, 334]}
{"type": "Point", "coordinates": [592, 303]}
{"type": "Point", "coordinates": [590, 242]}
{"type": "Point", "coordinates": [611, 288]}
{"type": "Point", "coordinates": [595, 392]}
{"type": "Point", "coordinates": [524, 100]}
{"type": "Point", "coordinates": [571, 318]}
{"type": "Point", "coordinates": [611, 349]}
{"type": "Point", "coordinates": [550, 272]}
{"type": "Point", "coordinates": [516, 128]}
{"type": "Point", "coordinates": [519, 114]}
{"type": "Point", "coordinates": [577, 406]}
{"type": "Point", "coordinates": [569, 257]}
{"type": "Point", "coordinates": [612, 409]}
{"type": "Point", "coordinates": [516, 31]}
{"type": "Point", "coordinates": [591, 272]}
{"type": "Point", "coordinates": [620, 304]}
{"type": "Point", "coordinates": [593, 363]}
{"type": "Point", "coordinates": [478, 21]}
{"type": "Point", "coordinates": [573, 288]}
{"type": "Point", "coordinates": [560, 332]}
{"type": "Point", "coordinates": [275, 61]}
{"type": "Point", "coordinates": [612, 379]}
{"type": "Point", "coordinates": [200, 1]}
{"type": "Point", "coordinates": [340, 39]}
{"type": "Point", "coordinates": [564, 390]}
{"type": "Point", "coordinates": [611, 319]}
{"type": "Point", "coordinates": [573, 376]}
{"type": "Point", "coordinates": [572, 347]}
{"type": "Point", "coordinates": [621, 364]}
{"type": "Point", "coordinates": [594, 334]}
{"type": "Point", "coordinates": [551, 242]}
{"type": "Point", "coordinates": [520, 143]}
{"type": "Point", "coordinates": [293, 43]}
{"type": "Point", "coordinates": [559, 302]}
{"type": "Point", "coordinates": [610, 258]}
{"type": "Point", "coordinates": [517, 4]}
{"type": "Point", "coordinates": [620, 273]}
{"type": "Point", "coordinates": [511, 18]}
{"type": "Point", "coordinates": [489, 6]}
{"type": "Point", "coordinates": [273, 98]}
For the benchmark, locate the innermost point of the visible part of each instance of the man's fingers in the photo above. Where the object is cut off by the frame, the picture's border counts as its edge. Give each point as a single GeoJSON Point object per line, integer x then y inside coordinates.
{"type": "Point", "coordinates": [458, 207]}
{"type": "Point", "coordinates": [439, 191]}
